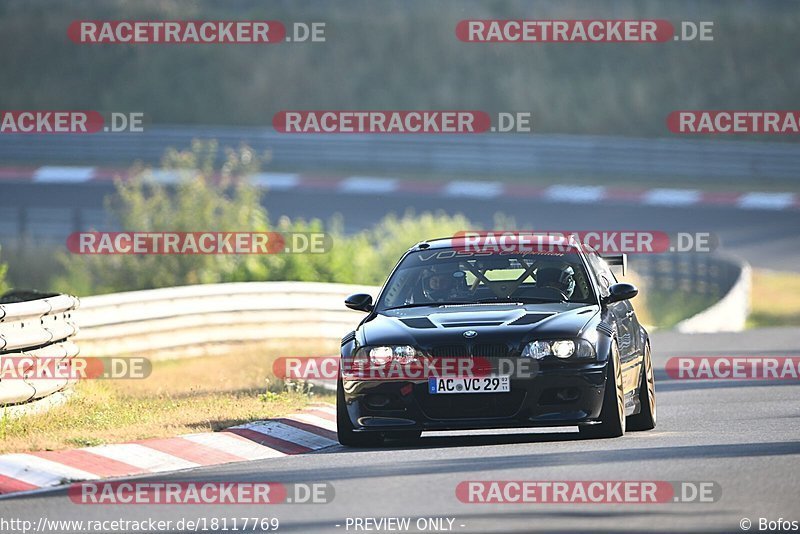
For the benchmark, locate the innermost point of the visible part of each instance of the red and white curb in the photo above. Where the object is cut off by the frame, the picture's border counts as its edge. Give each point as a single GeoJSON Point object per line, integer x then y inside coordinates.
{"type": "Point", "coordinates": [371, 185]}
{"type": "Point", "coordinates": [312, 429]}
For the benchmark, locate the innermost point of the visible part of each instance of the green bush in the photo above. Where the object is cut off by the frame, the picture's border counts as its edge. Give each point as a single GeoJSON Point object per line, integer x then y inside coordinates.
{"type": "Point", "coordinates": [202, 203]}
{"type": "Point", "coordinates": [3, 283]}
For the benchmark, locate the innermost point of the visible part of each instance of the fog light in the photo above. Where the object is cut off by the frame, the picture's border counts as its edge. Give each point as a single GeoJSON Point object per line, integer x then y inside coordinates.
{"type": "Point", "coordinates": [567, 394]}
{"type": "Point", "coordinates": [377, 401]}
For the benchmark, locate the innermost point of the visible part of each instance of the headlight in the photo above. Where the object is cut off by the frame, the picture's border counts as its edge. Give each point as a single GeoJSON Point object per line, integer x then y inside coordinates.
{"type": "Point", "coordinates": [563, 349]}
{"type": "Point", "coordinates": [385, 354]}
{"type": "Point", "coordinates": [405, 354]}
{"type": "Point", "coordinates": [560, 348]}
{"type": "Point", "coordinates": [380, 355]}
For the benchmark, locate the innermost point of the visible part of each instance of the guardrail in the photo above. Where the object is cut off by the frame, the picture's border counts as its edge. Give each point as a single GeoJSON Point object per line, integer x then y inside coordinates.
{"type": "Point", "coordinates": [34, 326]}
{"type": "Point", "coordinates": [646, 159]}
{"type": "Point", "coordinates": [185, 321]}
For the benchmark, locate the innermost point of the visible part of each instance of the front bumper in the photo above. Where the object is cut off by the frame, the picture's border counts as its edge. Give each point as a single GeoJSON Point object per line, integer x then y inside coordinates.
{"type": "Point", "coordinates": [554, 396]}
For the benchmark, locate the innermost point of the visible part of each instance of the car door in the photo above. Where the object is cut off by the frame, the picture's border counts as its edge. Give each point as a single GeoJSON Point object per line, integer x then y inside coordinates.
{"type": "Point", "coordinates": [625, 322]}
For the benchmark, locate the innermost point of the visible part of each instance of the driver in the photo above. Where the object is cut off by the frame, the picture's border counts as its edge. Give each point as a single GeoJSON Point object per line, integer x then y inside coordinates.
{"type": "Point", "coordinates": [561, 278]}
{"type": "Point", "coordinates": [442, 286]}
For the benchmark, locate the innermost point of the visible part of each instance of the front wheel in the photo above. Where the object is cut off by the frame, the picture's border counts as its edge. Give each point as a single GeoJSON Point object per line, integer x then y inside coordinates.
{"type": "Point", "coordinates": [612, 414]}
{"type": "Point", "coordinates": [344, 427]}
{"type": "Point", "coordinates": [646, 418]}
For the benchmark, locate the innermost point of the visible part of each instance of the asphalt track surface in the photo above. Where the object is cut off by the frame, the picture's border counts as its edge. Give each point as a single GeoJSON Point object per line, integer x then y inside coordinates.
{"type": "Point", "coordinates": [765, 238]}
{"type": "Point", "coordinates": [743, 435]}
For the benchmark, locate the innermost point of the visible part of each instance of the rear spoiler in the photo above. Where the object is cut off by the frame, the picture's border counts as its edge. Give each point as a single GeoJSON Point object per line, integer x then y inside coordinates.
{"type": "Point", "coordinates": [617, 259]}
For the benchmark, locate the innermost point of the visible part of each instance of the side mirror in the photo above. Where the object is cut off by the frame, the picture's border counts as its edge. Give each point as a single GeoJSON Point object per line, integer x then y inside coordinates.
{"type": "Point", "coordinates": [621, 291]}
{"type": "Point", "coordinates": [359, 302]}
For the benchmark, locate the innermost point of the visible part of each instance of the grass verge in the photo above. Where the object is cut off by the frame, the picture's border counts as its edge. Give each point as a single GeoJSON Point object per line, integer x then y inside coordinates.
{"type": "Point", "coordinates": [775, 299]}
{"type": "Point", "coordinates": [180, 396]}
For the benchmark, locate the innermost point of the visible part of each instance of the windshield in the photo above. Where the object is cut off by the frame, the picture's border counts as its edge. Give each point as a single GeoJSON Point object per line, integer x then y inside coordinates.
{"type": "Point", "coordinates": [458, 277]}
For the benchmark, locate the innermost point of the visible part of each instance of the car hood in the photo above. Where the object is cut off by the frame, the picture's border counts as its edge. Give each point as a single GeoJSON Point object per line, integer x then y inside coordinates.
{"type": "Point", "coordinates": [493, 323]}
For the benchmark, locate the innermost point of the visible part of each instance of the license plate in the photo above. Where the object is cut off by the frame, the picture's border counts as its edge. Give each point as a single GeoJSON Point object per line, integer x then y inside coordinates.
{"type": "Point", "coordinates": [484, 384]}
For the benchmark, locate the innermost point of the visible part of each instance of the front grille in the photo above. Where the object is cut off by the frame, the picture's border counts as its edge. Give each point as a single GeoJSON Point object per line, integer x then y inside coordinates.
{"type": "Point", "coordinates": [471, 323]}
{"type": "Point", "coordinates": [348, 338]}
{"type": "Point", "coordinates": [497, 350]}
{"type": "Point", "coordinates": [450, 351]}
{"type": "Point", "coordinates": [490, 351]}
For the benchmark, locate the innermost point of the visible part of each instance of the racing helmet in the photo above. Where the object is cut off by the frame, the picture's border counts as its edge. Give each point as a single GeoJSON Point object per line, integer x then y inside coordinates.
{"type": "Point", "coordinates": [440, 284]}
{"type": "Point", "coordinates": [561, 277]}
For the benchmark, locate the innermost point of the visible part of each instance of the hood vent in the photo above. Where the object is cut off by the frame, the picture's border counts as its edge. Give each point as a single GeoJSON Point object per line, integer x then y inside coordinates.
{"type": "Point", "coordinates": [418, 322]}
{"type": "Point", "coordinates": [530, 318]}
{"type": "Point", "coordinates": [472, 323]}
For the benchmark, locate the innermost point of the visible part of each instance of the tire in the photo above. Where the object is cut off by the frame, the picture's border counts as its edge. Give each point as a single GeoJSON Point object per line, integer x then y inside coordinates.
{"type": "Point", "coordinates": [612, 414]}
{"type": "Point", "coordinates": [345, 432]}
{"type": "Point", "coordinates": [646, 418]}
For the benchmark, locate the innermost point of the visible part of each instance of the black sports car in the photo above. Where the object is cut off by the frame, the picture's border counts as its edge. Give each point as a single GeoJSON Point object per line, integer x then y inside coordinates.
{"type": "Point", "coordinates": [546, 336]}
